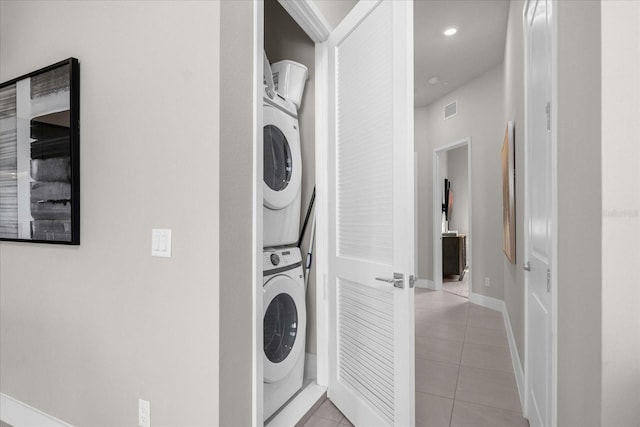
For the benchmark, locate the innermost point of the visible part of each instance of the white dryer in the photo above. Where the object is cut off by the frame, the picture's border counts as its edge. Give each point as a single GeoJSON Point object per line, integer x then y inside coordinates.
{"type": "Point", "coordinates": [282, 173]}
{"type": "Point", "coordinates": [284, 326]}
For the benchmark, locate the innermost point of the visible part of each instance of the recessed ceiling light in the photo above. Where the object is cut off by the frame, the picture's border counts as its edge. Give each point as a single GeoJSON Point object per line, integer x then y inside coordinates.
{"type": "Point", "coordinates": [433, 80]}
{"type": "Point", "coordinates": [446, 83]}
{"type": "Point", "coordinates": [450, 31]}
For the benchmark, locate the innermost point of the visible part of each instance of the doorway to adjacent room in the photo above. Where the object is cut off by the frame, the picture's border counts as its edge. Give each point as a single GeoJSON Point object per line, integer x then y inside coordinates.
{"type": "Point", "coordinates": [452, 217]}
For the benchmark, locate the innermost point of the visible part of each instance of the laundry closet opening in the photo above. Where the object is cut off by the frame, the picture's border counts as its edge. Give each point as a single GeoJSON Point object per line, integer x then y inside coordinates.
{"type": "Point", "coordinates": [289, 287]}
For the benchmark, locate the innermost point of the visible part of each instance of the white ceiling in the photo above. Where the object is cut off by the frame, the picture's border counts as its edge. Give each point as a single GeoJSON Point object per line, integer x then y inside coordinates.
{"type": "Point", "coordinates": [476, 48]}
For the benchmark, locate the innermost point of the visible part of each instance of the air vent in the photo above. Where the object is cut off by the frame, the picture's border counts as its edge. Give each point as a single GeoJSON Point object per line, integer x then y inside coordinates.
{"type": "Point", "coordinates": [450, 110]}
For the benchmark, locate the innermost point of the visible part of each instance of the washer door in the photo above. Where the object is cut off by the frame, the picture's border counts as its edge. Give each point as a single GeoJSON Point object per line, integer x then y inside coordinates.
{"type": "Point", "coordinates": [282, 173]}
{"type": "Point", "coordinates": [284, 323]}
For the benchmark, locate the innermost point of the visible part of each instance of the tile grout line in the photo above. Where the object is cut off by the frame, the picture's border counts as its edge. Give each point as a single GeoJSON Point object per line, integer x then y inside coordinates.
{"type": "Point", "coordinates": [329, 419]}
{"type": "Point", "coordinates": [455, 390]}
{"type": "Point", "coordinates": [439, 338]}
{"type": "Point", "coordinates": [434, 394]}
{"type": "Point", "coordinates": [436, 361]}
{"type": "Point", "coordinates": [492, 407]}
{"type": "Point", "coordinates": [495, 347]}
{"type": "Point", "coordinates": [489, 370]}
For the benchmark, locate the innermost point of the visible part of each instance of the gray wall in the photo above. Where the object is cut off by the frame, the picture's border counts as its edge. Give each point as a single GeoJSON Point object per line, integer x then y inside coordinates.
{"type": "Point", "coordinates": [514, 110]}
{"type": "Point", "coordinates": [424, 171]}
{"type": "Point", "coordinates": [237, 181]}
{"type": "Point", "coordinates": [335, 10]}
{"type": "Point", "coordinates": [283, 39]}
{"type": "Point", "coordinates": [480, 116]}
{"type": "Point", "coordinates": [88, 330]}
{"type": "Point", "coordinates": [621, 218]}
{"type": "Point", "coordinates": [579, 269]}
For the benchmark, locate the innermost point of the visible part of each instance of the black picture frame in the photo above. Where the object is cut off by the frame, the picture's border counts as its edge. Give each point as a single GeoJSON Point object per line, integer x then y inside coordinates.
{"type": "Point", "coordinates": [40, 156]}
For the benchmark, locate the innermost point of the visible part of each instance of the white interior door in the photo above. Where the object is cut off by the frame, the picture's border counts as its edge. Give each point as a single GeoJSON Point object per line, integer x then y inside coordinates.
{"type": "Point", "coordinates": [538, 207]}
{"type": "Point", "coordinates": [371, 237]}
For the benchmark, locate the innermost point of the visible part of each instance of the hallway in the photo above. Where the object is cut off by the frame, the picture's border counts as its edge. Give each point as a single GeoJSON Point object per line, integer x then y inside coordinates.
{"type": "Point", "coordinates": [464, 374]}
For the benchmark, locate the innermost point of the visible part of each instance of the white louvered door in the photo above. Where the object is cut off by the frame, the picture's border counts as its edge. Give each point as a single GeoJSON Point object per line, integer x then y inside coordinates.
{"type": "Point", "coordinates": [370, 189]}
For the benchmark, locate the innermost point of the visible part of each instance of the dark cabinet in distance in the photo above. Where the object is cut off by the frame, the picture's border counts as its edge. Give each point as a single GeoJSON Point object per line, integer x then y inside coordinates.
{"type": "Point", "coordinates": [454, 255]}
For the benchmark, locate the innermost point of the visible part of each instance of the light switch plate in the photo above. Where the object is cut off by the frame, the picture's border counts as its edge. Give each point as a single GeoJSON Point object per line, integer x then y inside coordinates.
{"type": "Point", "coordinates": [161, 242]}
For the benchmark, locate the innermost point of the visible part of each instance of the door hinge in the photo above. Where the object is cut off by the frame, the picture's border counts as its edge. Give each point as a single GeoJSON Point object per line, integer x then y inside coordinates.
{"type": "Point", "coordinates": [412, 281]}
{"type": "Point", "coordinates": [548, 280]}
{"type": "Point", "coordinates": [548, 116]}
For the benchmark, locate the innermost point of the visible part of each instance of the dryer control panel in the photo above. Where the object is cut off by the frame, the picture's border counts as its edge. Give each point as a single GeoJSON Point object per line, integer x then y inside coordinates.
{"type": "Point", "coordinates": [280, 258]}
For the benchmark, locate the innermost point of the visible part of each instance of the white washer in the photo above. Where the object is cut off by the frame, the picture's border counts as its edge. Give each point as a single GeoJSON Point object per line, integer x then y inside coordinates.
{"type": "Point", "coordinates": [284, 326]}
{"type": "Point", "coordinates": [282, 173]}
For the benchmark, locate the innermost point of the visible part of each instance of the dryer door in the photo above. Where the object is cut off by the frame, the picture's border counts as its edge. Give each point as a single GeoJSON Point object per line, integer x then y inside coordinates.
{"type": "Point", "coordinates": [284, 323]}
{"type": "Point", "coordinates": [282, 173]}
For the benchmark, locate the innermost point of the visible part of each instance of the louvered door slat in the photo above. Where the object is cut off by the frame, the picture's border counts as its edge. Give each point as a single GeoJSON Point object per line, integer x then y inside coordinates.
{"type": "Point", "coordinates": [365, 324]}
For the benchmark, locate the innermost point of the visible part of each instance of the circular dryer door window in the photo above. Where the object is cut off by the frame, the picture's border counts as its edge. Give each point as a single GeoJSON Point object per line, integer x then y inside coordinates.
{"type": "Point", "coordinates": [280, 328]}
{"type": "Point", "coordinates": [277, 158]}
{"type": "Point", "coordinates": [284, 321]}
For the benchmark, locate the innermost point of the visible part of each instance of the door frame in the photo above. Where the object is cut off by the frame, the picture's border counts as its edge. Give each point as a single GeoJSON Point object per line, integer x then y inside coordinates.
{"type": "Point", "coordinates": [437, 211]}
{"type": "Point", "coordinates": [307, 15]}
{"type": "Point", "coordinates": [554, 210]}
{"type": "Point", "coordinates": [311, 20]}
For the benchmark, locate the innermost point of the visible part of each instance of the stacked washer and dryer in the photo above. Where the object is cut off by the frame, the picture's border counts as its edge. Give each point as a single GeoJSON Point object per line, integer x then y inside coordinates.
{"type": "Point", "coordinates": [284, 310]}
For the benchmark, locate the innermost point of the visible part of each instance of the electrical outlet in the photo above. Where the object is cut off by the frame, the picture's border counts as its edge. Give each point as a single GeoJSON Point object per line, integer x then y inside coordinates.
{"type": "Point", "coordinates": [144, 413]}
{"type": "Point", "coordinates": [487, 282]}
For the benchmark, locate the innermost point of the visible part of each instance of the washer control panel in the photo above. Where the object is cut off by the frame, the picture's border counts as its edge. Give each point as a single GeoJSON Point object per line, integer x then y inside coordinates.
{"type": "Point", "coordinates": [274, 99]}
{"type": "Point", "coordinates": [280, 258]}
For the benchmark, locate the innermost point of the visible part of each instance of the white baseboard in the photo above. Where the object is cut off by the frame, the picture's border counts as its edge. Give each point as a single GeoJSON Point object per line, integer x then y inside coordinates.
{"type": "Point", "coordinates": [20, 414]}
{"type": "Point", "coordinates": [310, 366]}
{"type": "Point", "coordinates": [515, 357]}
{"type": "Point", "coordinates": [488, 302]}
{"type": "Point", "coordinates": [426, 284]}
{"type": "Point", "coordinates": [499, 305]}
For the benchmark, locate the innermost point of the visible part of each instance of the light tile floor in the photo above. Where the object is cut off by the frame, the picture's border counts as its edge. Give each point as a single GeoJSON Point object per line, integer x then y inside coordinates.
{"type": "Point", "coordinates": [454, 285]}
{"type": "Point", "coordinates": [464, 375]}
{"type": "Point", "coordinates": [327, 415]}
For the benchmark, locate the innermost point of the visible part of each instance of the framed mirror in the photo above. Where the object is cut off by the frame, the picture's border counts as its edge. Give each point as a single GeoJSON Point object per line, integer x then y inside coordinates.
{"type": "Point", "coordinates": [40, 155]}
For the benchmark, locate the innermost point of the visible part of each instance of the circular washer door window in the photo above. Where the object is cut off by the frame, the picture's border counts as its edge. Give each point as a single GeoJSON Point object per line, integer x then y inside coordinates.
{"type": "Point", "coordinates": [280, 327]}
{"type": "Point", "coordinates": [277, 158]}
